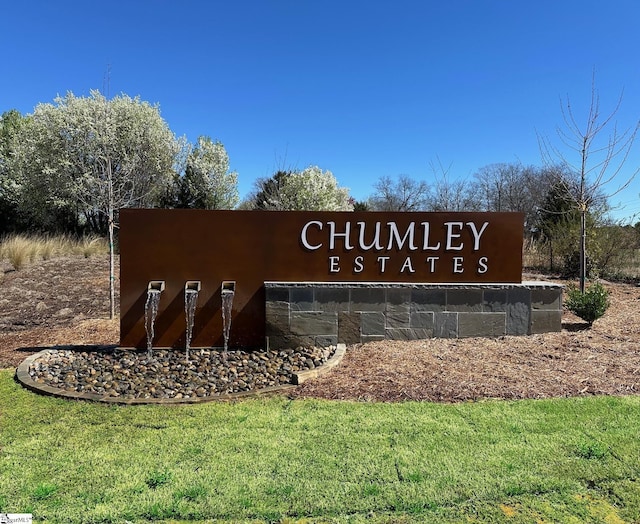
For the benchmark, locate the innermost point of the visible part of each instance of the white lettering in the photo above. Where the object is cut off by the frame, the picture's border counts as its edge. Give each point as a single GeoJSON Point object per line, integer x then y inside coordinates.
{"type": "Point", "coordinates": [345, 235]}
{"type": "Point", "coordinates": [482, 265]}
{"type": "Point", "coordinates": [476, 234]}
{"type": "Point", "coordinates": [376, 239]}
{"type": "Point", "coordinates": [394, 234]}
{"type": "Point", "coordinates": [398, 239]}
{"type": "Point", "coordinates": [407, 265]}
{"type": "Point", "coordinates": [451, 235]}
{"type": "Point", "coordinates": [432, 263]}
{"type": "Point", "coordinates": [425, 245]}
{"type": "Point", "coordinates": [303, 235]}
{"type": "Point", "coordinates": [358, 267]}
{"type": "Point", "coordinates": [383, 261]}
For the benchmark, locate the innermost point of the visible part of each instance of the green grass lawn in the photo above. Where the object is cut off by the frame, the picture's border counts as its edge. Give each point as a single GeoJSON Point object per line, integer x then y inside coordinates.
{"type": "Point", "coordinates": [277, 460]}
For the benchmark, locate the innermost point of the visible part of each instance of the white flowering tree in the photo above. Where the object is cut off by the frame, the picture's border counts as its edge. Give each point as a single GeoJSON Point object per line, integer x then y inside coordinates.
{"type": "Point", "coordinates": [311, 189]}
{"type": "Point", "coordinates": [207, 182]}
{"type": "Point", "coordinates": [86, 157]}
{"type": "Point", "coordinates": [10, 123]}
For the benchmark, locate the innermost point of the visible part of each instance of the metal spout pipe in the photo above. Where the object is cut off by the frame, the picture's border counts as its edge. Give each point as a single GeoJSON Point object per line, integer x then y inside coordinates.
{"type": "Point", "coordinates": [156, 285]}
{"type": "Point", "coordinates": [192, 285]}
{"type": "Point", "coordinates": [228, 286]}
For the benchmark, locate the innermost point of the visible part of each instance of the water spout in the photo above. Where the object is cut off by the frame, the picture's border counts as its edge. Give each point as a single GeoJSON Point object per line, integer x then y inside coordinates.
{"type": "Point", "coordinates": [228, 292]}
{"type": "Point", "coordinates": [191, 290]}
{"type": "Point", "coordinates": [154, 289]}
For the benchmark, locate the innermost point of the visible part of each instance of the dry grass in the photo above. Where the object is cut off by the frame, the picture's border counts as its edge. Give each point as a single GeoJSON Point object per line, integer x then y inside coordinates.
{"type": "Point", "coordinates": [629, 267]}
{"type": "Point", "coordinates": [535, 254]}
{"type": "Point", "coordinates": [21, 250]}
{"type": "Point", "coordinates": [623, 265]}
{"type": "Point", "coordinates": [18, 250]}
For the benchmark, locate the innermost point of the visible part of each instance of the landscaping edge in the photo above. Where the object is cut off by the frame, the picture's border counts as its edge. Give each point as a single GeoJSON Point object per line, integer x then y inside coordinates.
{"type": "Point", "coordinates": [24, 378]}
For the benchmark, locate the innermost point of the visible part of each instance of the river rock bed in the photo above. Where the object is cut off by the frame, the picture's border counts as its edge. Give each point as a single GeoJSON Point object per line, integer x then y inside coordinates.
{"type": "Point", "coordinates": [128, 374]}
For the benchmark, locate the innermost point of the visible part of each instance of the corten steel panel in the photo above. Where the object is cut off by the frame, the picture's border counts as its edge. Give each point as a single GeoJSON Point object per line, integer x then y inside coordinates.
{"type": "Point", "coordinates": [251, 247]}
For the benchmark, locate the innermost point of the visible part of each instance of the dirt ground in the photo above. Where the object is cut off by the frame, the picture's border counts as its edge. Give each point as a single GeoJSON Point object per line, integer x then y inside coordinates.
{"type": "Point", "coordinates": [65, 302]}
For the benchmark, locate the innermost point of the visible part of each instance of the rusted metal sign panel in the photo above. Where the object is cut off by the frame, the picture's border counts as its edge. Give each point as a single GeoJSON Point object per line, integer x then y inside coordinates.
{"type": "Point", "coordinates": [251, 247]}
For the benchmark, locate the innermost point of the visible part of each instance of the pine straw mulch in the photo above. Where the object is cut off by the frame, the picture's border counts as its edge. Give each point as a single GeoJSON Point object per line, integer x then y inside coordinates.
{"type": "Point", "coordinates": [578, 361]}
{"type": "Point", "coordinates": [65, 303]}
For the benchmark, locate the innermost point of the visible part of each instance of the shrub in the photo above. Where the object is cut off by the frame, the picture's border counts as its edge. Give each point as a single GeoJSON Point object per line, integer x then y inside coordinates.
{"type": "Point", "coordinates": [571, 266]}
{"type": "Point", "coordinates": [591, 304]}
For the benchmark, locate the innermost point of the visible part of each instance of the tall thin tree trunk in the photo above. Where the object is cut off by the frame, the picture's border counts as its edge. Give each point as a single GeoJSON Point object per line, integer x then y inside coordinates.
{"type": "Point", "coordinates": [583, 214]}
{"type": "Point", "coordinates": [583, 248]}
{"type": "Point", "coordinates": [112, 277]}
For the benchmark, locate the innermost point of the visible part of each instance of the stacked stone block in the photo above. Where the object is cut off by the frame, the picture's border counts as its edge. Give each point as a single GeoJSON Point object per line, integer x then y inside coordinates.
{"type": "Point", "coordinates": [318, 313]}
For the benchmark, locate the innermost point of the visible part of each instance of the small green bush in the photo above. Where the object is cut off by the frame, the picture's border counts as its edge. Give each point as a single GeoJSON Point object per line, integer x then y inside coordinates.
{"type": "Point", "coordinates": [591, 304]}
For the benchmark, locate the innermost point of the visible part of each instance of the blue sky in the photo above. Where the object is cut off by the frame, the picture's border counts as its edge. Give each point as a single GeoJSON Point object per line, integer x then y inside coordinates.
{"type": "Point", "coordinates": [361, 88]}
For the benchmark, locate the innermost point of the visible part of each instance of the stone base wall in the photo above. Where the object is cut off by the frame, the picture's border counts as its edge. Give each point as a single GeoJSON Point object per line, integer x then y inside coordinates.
{"type": "Point", "coordinates": [319, 313]}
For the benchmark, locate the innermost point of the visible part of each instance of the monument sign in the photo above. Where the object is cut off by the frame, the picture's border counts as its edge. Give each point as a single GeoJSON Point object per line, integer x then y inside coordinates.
{"type": "Point", "coordinates": [250, 248]}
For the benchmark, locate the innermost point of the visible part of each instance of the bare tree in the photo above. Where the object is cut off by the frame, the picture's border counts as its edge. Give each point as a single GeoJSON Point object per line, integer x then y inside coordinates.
{"type": "Point", "coordinates": [403, 194]}
{"type": "Point", "coordinates": [504, 187]}
{"type": "Point", "coordinates": [447, 194]}
{"type": "Point", "coordinates": [597, 152]}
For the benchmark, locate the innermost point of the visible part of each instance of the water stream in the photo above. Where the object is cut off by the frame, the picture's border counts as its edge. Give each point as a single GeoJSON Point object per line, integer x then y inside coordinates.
{"type": "Point", "coordinates": [150, 314]}
{"type": "Point", "coordinates": [190, 301]}
{"type": "Point", "coordinates": [227, 304]}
